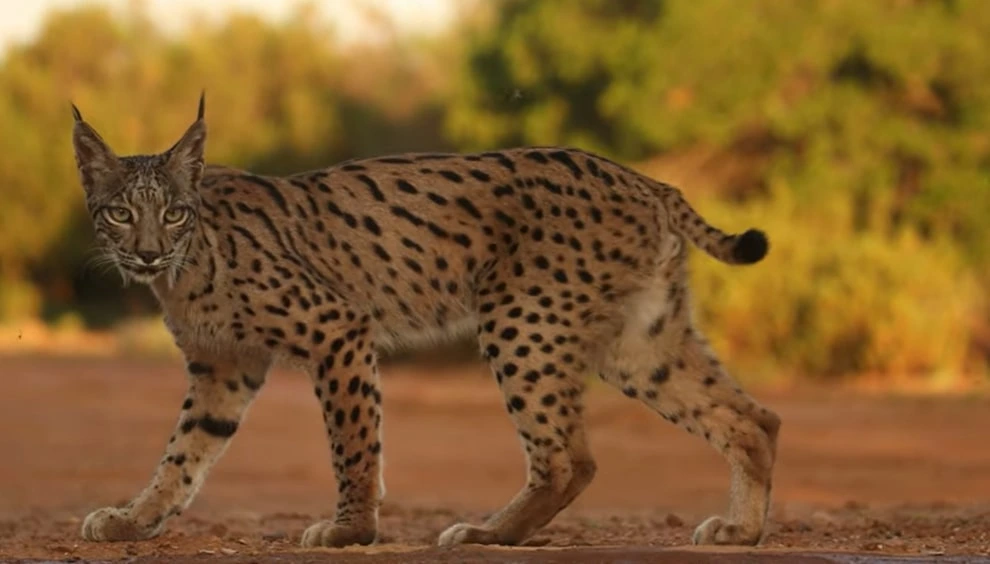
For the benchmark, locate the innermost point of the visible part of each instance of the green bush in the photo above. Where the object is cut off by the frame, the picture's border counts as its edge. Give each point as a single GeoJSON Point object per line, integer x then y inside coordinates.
{"type": "Point", "coordinates": [829, 301]}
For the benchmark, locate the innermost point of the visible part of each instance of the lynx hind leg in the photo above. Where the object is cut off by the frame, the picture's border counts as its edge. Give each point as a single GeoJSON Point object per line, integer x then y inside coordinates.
{"type": "Point", "coordinates": [538, 366]}
{"type": "Point", "coordinates": [663, 361]}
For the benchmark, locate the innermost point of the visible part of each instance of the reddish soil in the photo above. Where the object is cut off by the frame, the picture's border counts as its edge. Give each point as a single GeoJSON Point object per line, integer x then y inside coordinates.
{"type": "Point", "coordinates": [859, 479]}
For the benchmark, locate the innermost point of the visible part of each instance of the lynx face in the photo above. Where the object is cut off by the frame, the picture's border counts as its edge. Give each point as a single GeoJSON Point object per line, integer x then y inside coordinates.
{"type": "Point", "coordinates": [144, 208]}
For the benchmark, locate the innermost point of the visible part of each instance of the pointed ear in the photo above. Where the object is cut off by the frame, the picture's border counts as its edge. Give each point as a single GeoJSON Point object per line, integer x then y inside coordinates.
{"type": "Point", "coordinates": [96, 162]}
{"type": "Point", "coordinates": [185, 158]}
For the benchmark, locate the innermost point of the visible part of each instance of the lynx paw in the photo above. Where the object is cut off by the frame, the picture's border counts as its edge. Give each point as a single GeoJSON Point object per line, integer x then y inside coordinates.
{"type": "Point", "coordinates": [464, 533]}
{"type": "Point", "coordinates": [113, 524]}
{"type": "Point", "coordinates": [716, 530]}
{"type": "Point", "coordinates": [328, 533]}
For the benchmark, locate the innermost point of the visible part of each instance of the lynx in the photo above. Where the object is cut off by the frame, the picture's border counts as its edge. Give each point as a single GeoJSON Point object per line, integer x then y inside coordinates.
{"type": "Point", "coordinates": [562, 263]}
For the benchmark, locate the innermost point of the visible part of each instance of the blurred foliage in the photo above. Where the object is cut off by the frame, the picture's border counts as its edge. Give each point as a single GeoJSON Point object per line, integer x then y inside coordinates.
{"type": "Point", "coordinates": [281, 97]}
{"type": "Point", "coordinates": [856, 133]}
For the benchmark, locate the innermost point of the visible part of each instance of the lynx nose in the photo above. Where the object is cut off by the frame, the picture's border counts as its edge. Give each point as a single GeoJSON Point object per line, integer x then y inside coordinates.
{"type": "Point", "coordinates": [149, 257]}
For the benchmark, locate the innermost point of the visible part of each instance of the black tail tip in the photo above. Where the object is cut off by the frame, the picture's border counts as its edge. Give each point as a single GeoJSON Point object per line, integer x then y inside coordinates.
{"type": "Point", "coordinates": [750, 247]}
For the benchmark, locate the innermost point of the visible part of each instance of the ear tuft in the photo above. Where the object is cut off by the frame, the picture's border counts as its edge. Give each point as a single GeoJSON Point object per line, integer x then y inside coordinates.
{"type": "Point", "coordinates": [202, 106]}
{"type": "Point", "coordinates": [75, 113]}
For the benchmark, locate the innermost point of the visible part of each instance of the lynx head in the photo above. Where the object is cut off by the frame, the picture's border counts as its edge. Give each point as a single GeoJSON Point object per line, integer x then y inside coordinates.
{"type": "Point", "coordinates": [144, 208]}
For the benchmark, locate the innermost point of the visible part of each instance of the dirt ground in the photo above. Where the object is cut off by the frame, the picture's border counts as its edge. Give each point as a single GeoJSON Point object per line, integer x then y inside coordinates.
{"type": "Point", "coordinates": [859, 479]}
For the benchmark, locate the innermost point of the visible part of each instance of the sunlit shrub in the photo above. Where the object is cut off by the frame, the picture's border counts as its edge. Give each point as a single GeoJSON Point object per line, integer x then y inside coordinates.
{"type": "Point", "coordinates": [831, 302]}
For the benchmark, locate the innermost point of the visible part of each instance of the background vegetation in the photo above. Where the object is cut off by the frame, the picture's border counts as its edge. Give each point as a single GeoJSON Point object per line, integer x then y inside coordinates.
{"type": "Point", "coordinates": [856, 133]}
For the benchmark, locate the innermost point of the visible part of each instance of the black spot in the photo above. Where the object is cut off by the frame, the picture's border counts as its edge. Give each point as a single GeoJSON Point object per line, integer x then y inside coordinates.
{"type": "Point", "coordinates": [660, 375]}
{"type": "Point", "coordinates": [381, 252]}
{"type": "Point", "coordinates": [509, 333]}
{"type": "Point", "coordinates": [199, 369]}
{"type": "Point", "coordinates": [462, 240]}
{"type": "Point", "coordinates": [376, 192]}
{"type": "Point", "coordinates": [479, 175]}
{"type": "Point", "coordinates": [222, 428]}
{"type": "Point", "coordinates": [565, 159]}
{"type": "Point", "coordinates": [657, 326]}
{"type": "Point", "coordinates": [413, 265]}
{"type": "Point", "coordinates": [451, 176]}
{"type": "Point", "coordinates": [187, 404]}
{"type": "Point", "coordinates": [548, 400]}
{"type": "Point", "coordinates": [537, 156]}
{"type": "Point", "coordinates": [299, 351]}
{"type": "Point", "coordinates": [435, 156]}
{"type": "Point", "coordinates": [467, 206]}
{"type": "Point", "coordinates": [517, 403]}
{"type": "Point", "coordinates": [504, 218]}
{"type": "Point", "coordinates": [406, 187]}
{"type": "Point", "coordinates": [437, 199]}
{"type": "Point", "coordinates": [437, 230]}
{"type": "Point", "coordinates": [270, 189]}
{"type": "Point", "coordinates": [502, 160]}
{"type": "Point", "coordinates": [405, 214]}
{"type": "Point", "coordinates": [371, 226]}
{"type": "Point", "coordinates": [276, 310]}
{"type": "Point", "coordinates": [503, 190]}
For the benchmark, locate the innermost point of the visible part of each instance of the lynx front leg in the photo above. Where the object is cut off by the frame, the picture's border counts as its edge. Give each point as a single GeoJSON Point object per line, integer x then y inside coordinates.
{"type": "Point", "coordinates": [219, 393]}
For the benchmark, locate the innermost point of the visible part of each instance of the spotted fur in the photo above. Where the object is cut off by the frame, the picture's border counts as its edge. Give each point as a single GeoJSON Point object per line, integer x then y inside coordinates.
{"type": "Point", "coordinates": [563, 263]}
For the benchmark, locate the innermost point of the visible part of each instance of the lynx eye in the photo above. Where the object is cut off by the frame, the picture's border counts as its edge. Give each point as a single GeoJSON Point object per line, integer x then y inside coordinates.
{"type": "Point", "coordinates": [176, 215]}
{"type": "Point", "coordinates": [119, 215]}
